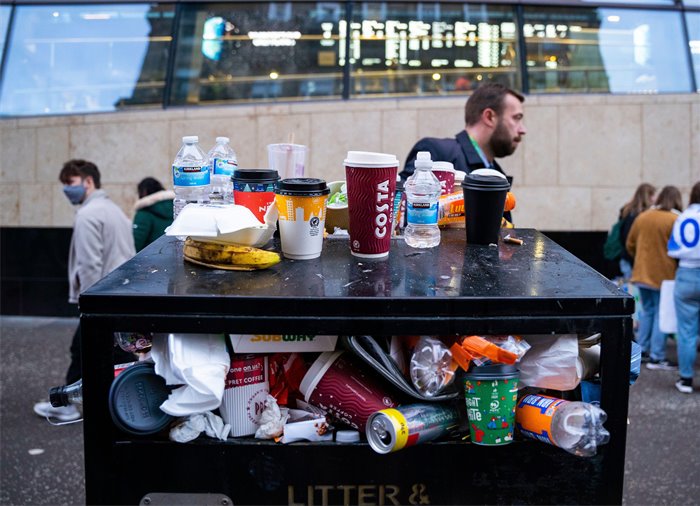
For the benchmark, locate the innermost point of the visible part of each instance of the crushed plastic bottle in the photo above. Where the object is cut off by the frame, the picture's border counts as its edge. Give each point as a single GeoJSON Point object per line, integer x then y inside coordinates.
{"type": "Point", "coordinates": [431, 368]}
{"type": "Point", "coordinates": [574, 426]}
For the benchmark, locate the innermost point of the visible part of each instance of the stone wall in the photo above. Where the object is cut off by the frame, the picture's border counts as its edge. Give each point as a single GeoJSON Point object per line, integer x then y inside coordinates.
{"type": "Point", "coordinates": [581, 160]}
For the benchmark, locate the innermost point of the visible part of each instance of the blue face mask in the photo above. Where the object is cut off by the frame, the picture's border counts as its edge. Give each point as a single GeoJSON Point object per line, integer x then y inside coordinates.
{"type": "Point", "coordinates": [75, 194]}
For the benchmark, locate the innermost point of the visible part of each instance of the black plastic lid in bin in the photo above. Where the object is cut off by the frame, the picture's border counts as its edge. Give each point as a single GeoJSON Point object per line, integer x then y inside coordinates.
{"type": "Point", "coordinates": [302, 186]}
{"type": "Point", "coordinates": [135, 398]}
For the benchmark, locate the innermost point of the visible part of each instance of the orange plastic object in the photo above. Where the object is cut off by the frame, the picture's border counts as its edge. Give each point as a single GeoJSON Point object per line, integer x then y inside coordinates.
{"type": "Point", "coordinates": [479, 346]}
{"type": "Point", "coordinates": [461, 356]}
{"type": "Point", "coordinates": [510, 202]}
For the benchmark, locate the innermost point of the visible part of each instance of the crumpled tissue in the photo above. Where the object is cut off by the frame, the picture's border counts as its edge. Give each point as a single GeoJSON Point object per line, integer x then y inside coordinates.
{"type": "Point", "coordinates": [189, 429]}
{"type": "Point", "coordinates": [272, 419]}
{"type": "Point", "coordinates": [199, 362]}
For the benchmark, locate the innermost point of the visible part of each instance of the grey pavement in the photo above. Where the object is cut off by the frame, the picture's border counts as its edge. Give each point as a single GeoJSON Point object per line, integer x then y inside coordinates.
{"type": "Point", "coordinates": [42, 464]}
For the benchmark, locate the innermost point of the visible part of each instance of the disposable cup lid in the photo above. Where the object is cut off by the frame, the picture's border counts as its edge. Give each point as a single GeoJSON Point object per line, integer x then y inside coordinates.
{"type": "Point", "coordinates": [444, 166]}
{"type": "Point", "coordinates": [347, 436]}
{"type": "Point", "coordinates": [369, 159]}
{"type": "Point", "coordinates": [316, 372]}
{"type": "Point", "coordinates": [302, 187]}
{"type": "Point", "coordinates": [262, 175]}
{"type": "Point", "coordinates": [482, 182]}
{"type": "Point", "coordinates": [493, 372]}
{"type": "Point", "coordinates": [135, 398]}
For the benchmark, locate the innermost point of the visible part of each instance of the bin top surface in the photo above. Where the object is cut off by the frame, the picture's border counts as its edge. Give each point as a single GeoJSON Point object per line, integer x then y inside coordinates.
{"type": "Point", "coordinates": [451, 279]}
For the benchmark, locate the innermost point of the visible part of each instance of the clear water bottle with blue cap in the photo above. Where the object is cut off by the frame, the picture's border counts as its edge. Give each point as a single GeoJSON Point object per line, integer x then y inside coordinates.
{"type": "Point", "coordinates": [422, 194]}
{"type": "Point", "coordinates": [191, 179]}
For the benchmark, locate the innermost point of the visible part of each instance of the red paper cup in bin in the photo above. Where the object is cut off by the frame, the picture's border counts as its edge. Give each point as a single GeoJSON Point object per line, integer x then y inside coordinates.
{"type": "Point", "coordinates": [336, 383]}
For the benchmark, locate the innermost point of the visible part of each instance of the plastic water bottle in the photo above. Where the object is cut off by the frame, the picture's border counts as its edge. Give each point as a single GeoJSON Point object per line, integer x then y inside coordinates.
{"type": "Point", "coordinates": [66, 394]}
{"type": "Point", "coordinates": [422, 194]}
{"type": "Point", "coordinates": [574, 426]}
{"type": "Point", "coordinates": [222, 163]}
{"type": "Point", "coordinates": [190, 175]}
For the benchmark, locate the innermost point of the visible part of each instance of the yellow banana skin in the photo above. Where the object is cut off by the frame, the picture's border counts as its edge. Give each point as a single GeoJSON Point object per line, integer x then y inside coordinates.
{"type": "Point", "coordinates": [222, 255]}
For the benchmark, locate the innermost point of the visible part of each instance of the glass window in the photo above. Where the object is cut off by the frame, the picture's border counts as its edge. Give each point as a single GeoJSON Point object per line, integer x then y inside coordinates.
{"type": "Point", "coordinates": [258, 51]}
{"type": "Point", "coordinates": [85, 58]}
{"type": "Point", "coordinates": [693, 20]}
{"type": "Point", "coordinates": [431, 48]}
{"type": "Point", "coordinates": [691, 3]}
{"type": "Point", "coordinates": [5, 11]}
{"type": "Point", "coordinates": [605, 50]}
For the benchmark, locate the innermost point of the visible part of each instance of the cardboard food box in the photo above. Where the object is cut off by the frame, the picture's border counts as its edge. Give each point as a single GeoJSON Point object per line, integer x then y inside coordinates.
{"type": "Point", "coordinates": [273, 343]}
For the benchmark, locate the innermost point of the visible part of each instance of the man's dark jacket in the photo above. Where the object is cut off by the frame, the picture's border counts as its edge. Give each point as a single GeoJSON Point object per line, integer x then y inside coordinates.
{"type": "Point", "coordinates": [459, 151]}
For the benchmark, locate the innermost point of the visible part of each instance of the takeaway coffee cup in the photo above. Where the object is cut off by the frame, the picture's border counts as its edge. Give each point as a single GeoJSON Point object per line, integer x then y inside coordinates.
{"type": "Point", "coordinates": [445, 172]}
{"type": "Point", "coordinates": [345, 389]}
{"type": "Point", "coordinates": [301, 203]}
{"type": "Point", "coordinates": [491, 394]}
{"type": "Point", "coordinates": [484, 199]}
{"type": "Point", "coordinates": [247, 387]}
{"type": "Point", "coordinates": [371, 184]}
{"type": "Point", "coordinates": [254, 189]}
{"type": "Point", "coordinates": [287, 159]}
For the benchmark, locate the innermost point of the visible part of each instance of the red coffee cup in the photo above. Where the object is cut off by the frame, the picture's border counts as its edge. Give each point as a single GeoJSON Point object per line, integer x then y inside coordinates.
{"type": "Point", "coordinates": [345, 389]}
{"type": "Point", "coordinates": [445, 172]}
{"type": "Point", "coordinates": [371, 183]}
{"type": "Point", "coordinates": [254, 189]}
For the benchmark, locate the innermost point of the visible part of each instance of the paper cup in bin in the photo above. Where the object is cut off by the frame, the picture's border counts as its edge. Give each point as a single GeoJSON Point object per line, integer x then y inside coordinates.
{"type": "Point", "coordinates": [342, 387]}
{"type": "Point", "coordinates": [247, 387]}
{"type": "Point", "coordinates": [491, 394]}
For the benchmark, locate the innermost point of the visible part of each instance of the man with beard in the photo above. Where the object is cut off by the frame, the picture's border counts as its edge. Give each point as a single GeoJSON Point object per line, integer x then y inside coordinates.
{"type": "Point", "coordinates": [493, 117]}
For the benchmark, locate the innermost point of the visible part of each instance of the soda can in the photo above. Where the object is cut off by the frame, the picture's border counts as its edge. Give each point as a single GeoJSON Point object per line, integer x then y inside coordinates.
{"type": "Point", "coordinates": [390, 430]}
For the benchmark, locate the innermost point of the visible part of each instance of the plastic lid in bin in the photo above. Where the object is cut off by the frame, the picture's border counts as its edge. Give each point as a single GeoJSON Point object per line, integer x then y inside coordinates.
{"type": "Point", "coordinates": [135, 398]}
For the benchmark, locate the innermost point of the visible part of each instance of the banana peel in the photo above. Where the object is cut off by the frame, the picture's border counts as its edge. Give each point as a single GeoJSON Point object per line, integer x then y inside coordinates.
{"type": "Point", "coordinates": [227, 256]}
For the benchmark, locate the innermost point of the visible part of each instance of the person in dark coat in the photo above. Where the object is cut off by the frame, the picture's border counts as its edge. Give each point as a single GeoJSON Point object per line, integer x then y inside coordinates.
{"type": "Point", "coordinates": [154, 212]}
{"type": "Point", "coordinates": [642, 200]}
{"type": "Point", "coordinates": [493, 117]}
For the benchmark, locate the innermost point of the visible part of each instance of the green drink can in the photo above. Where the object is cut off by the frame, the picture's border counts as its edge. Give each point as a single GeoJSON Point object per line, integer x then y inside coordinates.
{"type": "Point", "coordinates": [491, 394]}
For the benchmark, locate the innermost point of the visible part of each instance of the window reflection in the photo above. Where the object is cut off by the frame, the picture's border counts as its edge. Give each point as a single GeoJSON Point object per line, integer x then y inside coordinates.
{"type": "Point", "coordinates": [85, 58]}
{"type": "Point", "coordinates": [605, 50]}
{"type": "Point", "coordinates": [5, 11]}
{"type": "Point", "coordinates": [431, 48]}
{"type": "Point", "coordinates": [261, 51]}
{"type": "Point", "coordinates": [693, 21]}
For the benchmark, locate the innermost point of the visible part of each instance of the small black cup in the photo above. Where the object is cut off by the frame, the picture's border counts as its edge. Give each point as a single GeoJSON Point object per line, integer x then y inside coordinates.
{"type": "Point", "coordinates": [484, 199]}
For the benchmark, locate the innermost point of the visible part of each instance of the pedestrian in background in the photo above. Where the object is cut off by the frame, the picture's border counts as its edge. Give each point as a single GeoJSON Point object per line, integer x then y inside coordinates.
{"type": "Point", "coordinates": [684, 245]}
{"type": "Point", "coordinates": [101, 242]}
{"type": "Point", "coordinates": [647, 244]}
{"type": "Point", "coordinates": [154, 212]}
{"type": "Point", "coordinates": [642, 200]}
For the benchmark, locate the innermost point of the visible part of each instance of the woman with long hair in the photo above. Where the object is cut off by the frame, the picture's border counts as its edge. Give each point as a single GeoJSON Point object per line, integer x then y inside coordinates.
{"type": "Point", "coordinates": [647, 244]}
{"type": "Point", "coordinates": [642, 200]}
{"type": "Point", "coordinates": [685, 246]}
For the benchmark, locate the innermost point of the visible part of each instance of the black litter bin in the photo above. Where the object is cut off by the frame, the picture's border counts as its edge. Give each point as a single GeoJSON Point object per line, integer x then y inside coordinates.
{"type": "Point", "coordinates": [534, 288]}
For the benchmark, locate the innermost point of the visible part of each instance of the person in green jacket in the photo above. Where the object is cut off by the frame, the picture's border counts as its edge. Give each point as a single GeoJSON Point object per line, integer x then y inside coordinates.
{"type": "Point", "coordinates": [154, 212]}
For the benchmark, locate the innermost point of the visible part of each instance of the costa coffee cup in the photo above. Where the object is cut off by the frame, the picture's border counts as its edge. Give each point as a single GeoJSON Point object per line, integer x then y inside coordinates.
{"type": "Point", "coordinates": [345, 389]}
{"type": "Point", "coordinates": [371, 184]}
{"type": "Point", "coordinates": [445, 172]}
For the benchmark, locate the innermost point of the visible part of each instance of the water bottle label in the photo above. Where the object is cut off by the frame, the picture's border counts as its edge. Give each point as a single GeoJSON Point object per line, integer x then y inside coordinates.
{"type": "Point", "coordinates": [422, 213]}
{"type": "Point", "coordinates": [224, 167]}
{"type": "Point", "coordinates": [190, 176]}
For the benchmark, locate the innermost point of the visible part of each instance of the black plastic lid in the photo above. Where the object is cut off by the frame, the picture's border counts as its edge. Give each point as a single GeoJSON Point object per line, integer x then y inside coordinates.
{"type": "Point", "coordinates": [256, 175]}
{"type": "Point", "coordinates": [493, 372]}
{"type": "Point", "coordinates": [487, 183]}
{"type": "Point", "coordinates": [302, 186]}
{"type": "Point", "coordinates": [135, 398]}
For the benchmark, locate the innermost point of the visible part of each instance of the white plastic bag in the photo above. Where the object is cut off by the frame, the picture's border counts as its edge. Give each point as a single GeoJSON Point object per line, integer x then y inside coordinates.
{"type": "Point", "coordinates": [551, 362]}
{"type": "Point", "coordinates": [667, 309]}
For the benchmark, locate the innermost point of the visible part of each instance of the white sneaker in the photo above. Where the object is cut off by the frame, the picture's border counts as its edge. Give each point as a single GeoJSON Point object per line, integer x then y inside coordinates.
{"type": "Point", "coordinates": [64, 413]}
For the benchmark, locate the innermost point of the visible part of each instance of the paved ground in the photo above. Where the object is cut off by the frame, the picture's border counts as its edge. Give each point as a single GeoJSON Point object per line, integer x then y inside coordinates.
{"type": "Point", "coordinates": [41, 464]}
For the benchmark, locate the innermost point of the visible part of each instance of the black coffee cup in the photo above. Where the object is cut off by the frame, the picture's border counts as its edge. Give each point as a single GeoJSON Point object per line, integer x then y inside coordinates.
{"type": "Point", "coordinates": [484, 199]}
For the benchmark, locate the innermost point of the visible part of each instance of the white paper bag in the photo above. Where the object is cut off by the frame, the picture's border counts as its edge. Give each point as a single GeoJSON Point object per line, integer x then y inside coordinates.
{"type": "Point", "coordinates": [667, 309]}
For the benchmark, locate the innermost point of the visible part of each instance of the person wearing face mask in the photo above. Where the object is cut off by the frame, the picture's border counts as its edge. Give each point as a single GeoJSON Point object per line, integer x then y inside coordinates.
{"type": "Point", "coordinates": [102, 241]}
{"type": "Point", "coordinates": [493, 117]}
